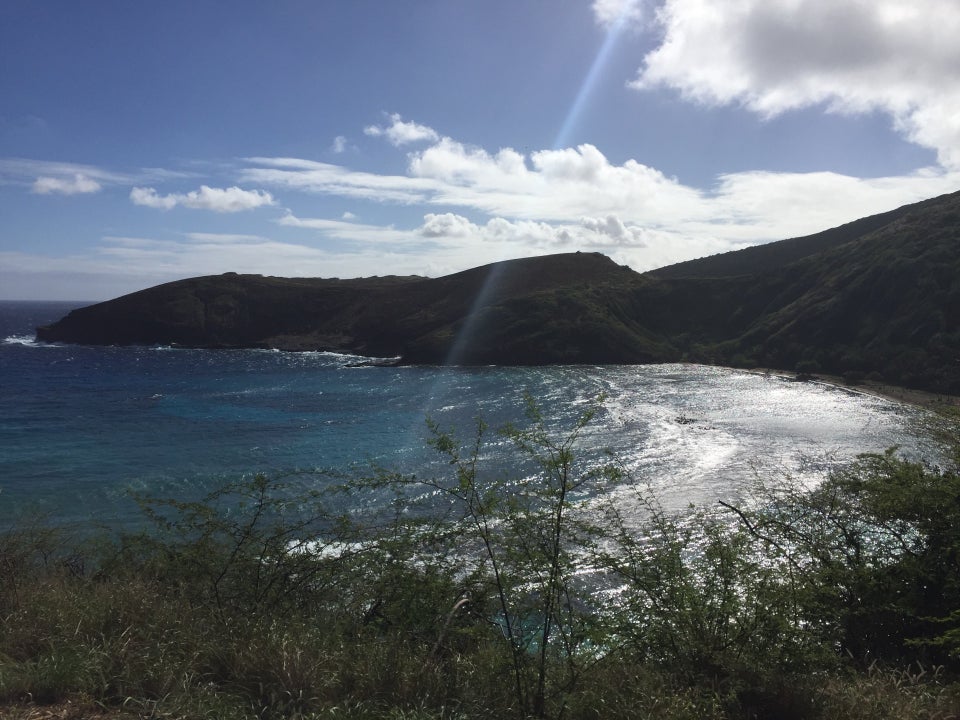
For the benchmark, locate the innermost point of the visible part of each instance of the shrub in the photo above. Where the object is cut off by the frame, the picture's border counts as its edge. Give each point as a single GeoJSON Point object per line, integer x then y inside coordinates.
{"type": "Point", "coordinates": [853, 377]}
{"type": "Point", "coordinates": [268, 599]}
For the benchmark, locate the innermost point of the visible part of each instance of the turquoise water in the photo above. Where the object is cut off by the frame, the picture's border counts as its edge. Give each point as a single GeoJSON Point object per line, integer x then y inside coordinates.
{"type": "Point", "coordinates": [82, 427]}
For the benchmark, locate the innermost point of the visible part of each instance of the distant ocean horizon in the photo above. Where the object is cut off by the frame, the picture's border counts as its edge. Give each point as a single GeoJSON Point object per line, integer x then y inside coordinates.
{"type": "Point", "coordinates": [82, 428]}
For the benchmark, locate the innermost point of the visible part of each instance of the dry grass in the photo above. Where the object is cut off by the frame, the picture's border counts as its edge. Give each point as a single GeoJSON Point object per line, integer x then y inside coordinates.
{"type": "Point", "coordinates": [79, 709]}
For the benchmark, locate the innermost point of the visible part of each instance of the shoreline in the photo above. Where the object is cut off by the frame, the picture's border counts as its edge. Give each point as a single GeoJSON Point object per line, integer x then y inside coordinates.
{"type": "Point", "coordinates": [937, 402]}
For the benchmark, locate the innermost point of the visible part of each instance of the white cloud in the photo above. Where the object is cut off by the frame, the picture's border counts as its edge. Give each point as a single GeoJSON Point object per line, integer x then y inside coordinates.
{"type": "Point", "coordinates": [613, 227]}
{"type": "Point", "coordinates": [75, 278]}
{"type": "Point", "coordinates": [351, 231]}
{"type": "Point", "coordinates": [327, 179]}
{"type": "Point", "coordinates": [447, 225]}
{"type": "Point", "coordinates": [656, 222]}
{"type": "Point", "coordinates": [402, 133]}
{"type": "Point", "coordinates": [224, 238]}
{"type": "Point", "coordinates": [133, 242]}
{"type": "Point", "coordinates": [449, 161]}
{"type": "Point", "coordinates": [208, 254]}
{"type": "Point", "coordinates": [78, 184]}
{"type": "Point", "coordinates": [123, 264]}
{"type": "Point", "coordinates": [610, 13]}
{"type": "Point", "coordinates": [27, 171]}
{"type": "Point", "coordinates": [450, 231]}
{"type": "Point", "coordinates": [575, 198]}
{"type": "Point", "coordinates": [47, 176]}
{"type": "Point", "coordinates": [559, 185]}
{"type": "Point", "coordinates": [221, 200]}
{"type": "Point", "coordinates": [855, 56]}
{"type": "Point", "coordinates": [587, 234]}
{"type": "Point", "coordinates": [149, 198]}
{"type": "Point", "coordinates": [339, 144]}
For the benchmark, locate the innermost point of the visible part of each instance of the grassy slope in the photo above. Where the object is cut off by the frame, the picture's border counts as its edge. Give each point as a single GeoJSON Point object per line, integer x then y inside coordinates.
{"type": "Point", "coordinates": [884, 304]}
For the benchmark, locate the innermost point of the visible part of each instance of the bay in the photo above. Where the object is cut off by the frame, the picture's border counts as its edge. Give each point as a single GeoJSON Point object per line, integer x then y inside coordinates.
{"type": "Point", "coordinates": [83, 427]}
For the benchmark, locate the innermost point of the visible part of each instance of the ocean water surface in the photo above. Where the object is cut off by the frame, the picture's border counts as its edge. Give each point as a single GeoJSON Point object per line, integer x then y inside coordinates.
{"type": "Point", "coordinates": [83, 427]}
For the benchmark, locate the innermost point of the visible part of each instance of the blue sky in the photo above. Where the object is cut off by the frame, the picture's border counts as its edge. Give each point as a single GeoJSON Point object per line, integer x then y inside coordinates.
{"type": "Point", "coordinates": [144, 142]}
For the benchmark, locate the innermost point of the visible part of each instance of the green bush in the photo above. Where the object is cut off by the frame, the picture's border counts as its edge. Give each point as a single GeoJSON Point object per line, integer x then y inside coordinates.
{"type": "Point", "coordinates": [876, 547]}
{"type": "Point", "coordinates": [474, 595]}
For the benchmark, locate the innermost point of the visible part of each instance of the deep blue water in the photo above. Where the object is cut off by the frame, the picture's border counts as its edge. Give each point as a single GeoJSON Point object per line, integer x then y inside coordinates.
{"type": "Point", "coordinates": [80, 427]}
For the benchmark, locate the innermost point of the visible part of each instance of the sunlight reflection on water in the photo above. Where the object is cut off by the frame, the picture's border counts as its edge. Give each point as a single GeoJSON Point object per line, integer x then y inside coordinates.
{"type": "Point", "coordinates": [84, 425]}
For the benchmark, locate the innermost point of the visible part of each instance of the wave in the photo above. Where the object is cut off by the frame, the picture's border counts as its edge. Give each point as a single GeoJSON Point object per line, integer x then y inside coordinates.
{"type": "Point", "coordinates": [352, 360]}
{"type": "Point", "coordinates": [349, 360]}
{"type": "Point", "coordinates": [26, 341]}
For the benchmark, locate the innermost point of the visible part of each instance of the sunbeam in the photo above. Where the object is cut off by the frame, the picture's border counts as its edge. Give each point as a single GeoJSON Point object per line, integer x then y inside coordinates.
{"type": "Point", "coordinates": [459, 349]}
{"type": "Point", "coordinates": [586, 88]}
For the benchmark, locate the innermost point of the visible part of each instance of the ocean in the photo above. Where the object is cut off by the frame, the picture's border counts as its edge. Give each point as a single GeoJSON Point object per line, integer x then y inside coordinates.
{"type": "Point", "coordinates": [84, 428]}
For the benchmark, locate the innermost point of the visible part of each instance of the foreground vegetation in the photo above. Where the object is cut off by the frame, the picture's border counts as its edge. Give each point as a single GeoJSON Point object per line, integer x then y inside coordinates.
{"type": "Point", "coordinates": [478, 596]}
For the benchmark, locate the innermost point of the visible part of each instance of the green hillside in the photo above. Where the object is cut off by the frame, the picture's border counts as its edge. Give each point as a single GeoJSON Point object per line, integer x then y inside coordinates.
{"type": "Point", "coordinates": [883, 303]}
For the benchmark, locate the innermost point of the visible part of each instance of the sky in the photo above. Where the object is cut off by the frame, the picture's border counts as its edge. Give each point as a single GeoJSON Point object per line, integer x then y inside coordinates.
{"type": "Point", "coordinates": [143, 142]}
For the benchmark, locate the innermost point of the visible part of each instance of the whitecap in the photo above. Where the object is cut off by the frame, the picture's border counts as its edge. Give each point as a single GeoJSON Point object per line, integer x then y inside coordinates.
{"type": "Point", "coordinates": [25, 341]}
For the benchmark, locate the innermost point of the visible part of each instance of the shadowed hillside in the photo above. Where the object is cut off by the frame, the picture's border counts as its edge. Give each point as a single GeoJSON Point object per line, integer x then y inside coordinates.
{"type": "Point", "coordinates": [773, 256]}
{"type": "Point", "coordinates": [883, 303]}
{"type": "Point", "coordinates": [545, 310]}
{"type": "Point", "coordinates": [876, 298]}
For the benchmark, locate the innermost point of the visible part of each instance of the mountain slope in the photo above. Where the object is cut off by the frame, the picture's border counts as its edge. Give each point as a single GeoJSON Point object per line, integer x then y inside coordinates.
{"type": "Point", "coordinates": [884, 301]}
{"type": "Point", "coordinates": [877, 297]}
{"type": "Point", "coordinates": [761, 259]}
{"type": "Point", "coordinates": [530, 311]}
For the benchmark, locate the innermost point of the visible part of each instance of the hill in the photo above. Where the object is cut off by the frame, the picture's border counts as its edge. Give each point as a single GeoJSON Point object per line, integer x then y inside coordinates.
{"type": "Point", "coordinates": [878, 298]}
{"type": "Point", "coordinates": [545, 310]}
{"type": "Point", "coordinates": [766, 258]}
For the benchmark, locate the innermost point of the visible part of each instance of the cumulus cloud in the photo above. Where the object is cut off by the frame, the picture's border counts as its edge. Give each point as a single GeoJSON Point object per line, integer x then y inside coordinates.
{"type": "Point", "coordinates": [614, 228]}
{"type": "Point", "coordinates": [450, 231]}
{"type": "Point", "coordinates": [561, 185]}
{"type": "Point", "coordinates": [75, 185]}
{"type": "Point", "coordinates": [451, 163]}
{"type": "Point", "coordinates": [221, 200]}
{"type": "Point", "coordinates": [510, 203]}
{"type": "Point", "coordinates": [575, 198]}
{"type": "Point", "coordinates": [339, 144]}
{"type": "Point", "coordinates": [588, 233]}
{"type": "Point", "coordinates": [149, 198]}
{"type": "Point", "coordinates": [402, 133]}
{"type": "Point", "coordinates": [447, 225]}
{"type": "Point", "coordinates": [550, 185]}
{"type": "Point", "coordinates": [858, 56]}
